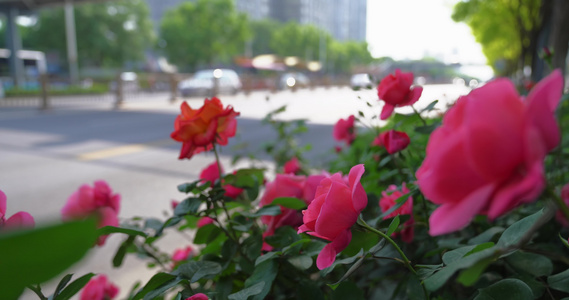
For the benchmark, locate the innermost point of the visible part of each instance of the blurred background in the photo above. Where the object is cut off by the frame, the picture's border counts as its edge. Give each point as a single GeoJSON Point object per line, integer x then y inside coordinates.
{"type": "Point", "coordinates": [87, 46]}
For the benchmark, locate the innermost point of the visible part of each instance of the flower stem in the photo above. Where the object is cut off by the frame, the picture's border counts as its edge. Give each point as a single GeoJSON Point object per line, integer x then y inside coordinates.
{"type": "Point", "coordinates": [419, 115]}
{"type": "Point", "coordinates": [406, 261]}
{"type": "Point", "coordinates": [220, 176]}
{"type": "Point", "coordinates": [37, 290]}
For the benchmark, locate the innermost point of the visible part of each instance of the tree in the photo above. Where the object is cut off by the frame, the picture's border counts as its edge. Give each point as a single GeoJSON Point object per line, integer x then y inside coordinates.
{"type": "Point", "coordinates": [203, 32]}
{"type": "Point", "coordinates": [506, 29]}
{"type": "Point", "coordinates": [303, 41]}
{"type": "Point", "coordinates": [108, 33]}
{"type": "Point", "coordinates": [262, 32]}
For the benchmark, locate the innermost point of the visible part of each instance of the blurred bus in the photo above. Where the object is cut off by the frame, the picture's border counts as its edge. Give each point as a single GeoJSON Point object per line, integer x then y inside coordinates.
{"type": "Point", "coordinates": [34, 65]}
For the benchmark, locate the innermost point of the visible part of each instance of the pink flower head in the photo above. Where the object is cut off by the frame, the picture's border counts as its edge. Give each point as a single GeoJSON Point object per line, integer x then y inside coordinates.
{"type": "Point", "coordinates": [388, 200]}
{"type": "Point", "coordinates": [199, 128]}
{"type": "Point", "coordinates": [198, 296]}
{"type": "Point", "coordinates": [292, 166]}
{"type": "Point", "coordinates": [378, 141]}
{"type": "Point", "coordinates": [174, 204]}
{"type": "Point", "coordinates": [335, 209]}
{"type": "Point", "coordinates": [204, 221]}
{"type": "Point", "coordinates": [211, 174]}
{"type": "Point", "coordinates": [181, 254]}
{"type": "Point", "coordinates": [98, 200]}
{"type": "Point", "coordinates": [394, 141]}
{"type": "Point", "coordinates": [284, 185]}
{"type": "Point", "coordinates": [20, 219]}
{"type": "Point", "coordinates": [395, 90]}
{"type": "Point", "coordinates": [99, 288]}
{"type": "Point", "coordinates": [345, 130]}
{"type": "Point", "coordinates": [337, 149]}
{"type": "Point", "coordinates": [487, 157]}
{"type": "Point", "coordinates": [565, 197]}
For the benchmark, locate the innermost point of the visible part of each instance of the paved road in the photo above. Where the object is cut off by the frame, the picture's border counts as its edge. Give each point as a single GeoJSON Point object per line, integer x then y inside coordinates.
{"type": "Point", "coordinates": [45, 156]}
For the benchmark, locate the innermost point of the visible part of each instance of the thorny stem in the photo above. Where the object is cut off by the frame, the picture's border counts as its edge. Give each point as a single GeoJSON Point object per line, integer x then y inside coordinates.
{"type": "Point", "coordinates": [406, 261]}
{"type": "Point", "coordinates": [150, 252]}
{"type": "Point", "coordinates": [220, 175]}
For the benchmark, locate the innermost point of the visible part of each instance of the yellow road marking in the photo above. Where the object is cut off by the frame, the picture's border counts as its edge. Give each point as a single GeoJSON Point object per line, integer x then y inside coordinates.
{"type": "Point", "coordinates": [121, 150]}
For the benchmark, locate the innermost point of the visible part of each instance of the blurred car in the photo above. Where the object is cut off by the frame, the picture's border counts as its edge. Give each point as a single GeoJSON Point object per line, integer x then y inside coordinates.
{"type": "Point", "coordinates": [202, 83]}
{"type": "Point", "coordinates": [292, 80]}
{"type": "Point", "coordinates": [361, 81]}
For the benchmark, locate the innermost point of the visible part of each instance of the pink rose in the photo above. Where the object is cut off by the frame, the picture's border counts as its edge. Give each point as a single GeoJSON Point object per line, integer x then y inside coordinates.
{"type": "Point", "coordinates": [487, 157]}
{"type": "Point", "coordinates": [99, 200]}
{"type": "Point", "coordinates": [565, 197]}
{"type": "Point", "coordinates": [292, 166]}
{"type": "Point", "coordinates": [174, 204]}
{"type": "Point", "coordinates": [394, 141]}
{"type": "Point", "coordinates": [395, 91]}
{"type": "Point", "coordinates": [335, 209]}
{"type": "Point", "coordinates": [20, 219]}
{"type": "Point", "coordinates": [204, 221]}
{"type": "Point", "coordinates": [198, 296]}
{"type": "Point", "coordinates": [99, 288]}
{"type": "Point", "coordinates": [181, 254]}
{"type": "Point", "coordinates": [378, 141]}
{"type": "Point", "coordinates": [284, 185]}
{"type": "Point", "coordinates": [344, 130]}
{"type": "Point", "coordinates": [387, 201]}
{"type": "Point", "coordinates": [211, 174]}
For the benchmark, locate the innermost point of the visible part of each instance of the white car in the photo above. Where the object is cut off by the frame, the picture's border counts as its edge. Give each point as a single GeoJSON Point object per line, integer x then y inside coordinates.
{"type": "Point", "coordinates": [202, 83]}
{"type": "Point", "coordinates": [361, 81]}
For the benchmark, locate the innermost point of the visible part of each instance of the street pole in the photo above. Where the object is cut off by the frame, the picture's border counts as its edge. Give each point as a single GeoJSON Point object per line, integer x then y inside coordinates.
{"type": "Point", "coordinates": [71, 42]}
{"type": "Point", "coordinates": [14, 43]}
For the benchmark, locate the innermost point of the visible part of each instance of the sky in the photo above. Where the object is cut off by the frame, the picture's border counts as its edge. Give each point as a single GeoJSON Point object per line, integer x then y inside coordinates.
{"type": "Point", "coordinates": [412, 29]}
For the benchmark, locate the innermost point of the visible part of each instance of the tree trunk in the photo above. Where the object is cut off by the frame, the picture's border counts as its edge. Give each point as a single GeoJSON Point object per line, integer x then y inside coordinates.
{"type": "Point", "coordinates": [560, 34]}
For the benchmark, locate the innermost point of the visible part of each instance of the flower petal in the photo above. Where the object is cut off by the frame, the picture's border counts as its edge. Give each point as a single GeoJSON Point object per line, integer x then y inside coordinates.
{"type": "Point", "coordinates": [328, 254]}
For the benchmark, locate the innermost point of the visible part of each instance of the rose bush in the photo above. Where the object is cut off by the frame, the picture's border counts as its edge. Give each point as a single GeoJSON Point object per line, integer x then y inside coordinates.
{"type": "Point", "coordinates": [395, 90]}
{"type": "Point", "coordinates": [436, 218]}
{"type": "Point", "coordinates": [487, 157]}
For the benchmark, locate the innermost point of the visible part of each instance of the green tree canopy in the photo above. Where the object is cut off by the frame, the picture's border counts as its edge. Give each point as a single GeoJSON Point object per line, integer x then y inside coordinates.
{"type": "Point", "coordinates": [303, 41]}
{"type": "Point", "coordinates": [203, 32]}
{"type": "Point", "coordinates": [262, 32]}
{"type": "Point", "coordinates": [506, 29]}
{"type": "Point", "coordinates": [108, 33]}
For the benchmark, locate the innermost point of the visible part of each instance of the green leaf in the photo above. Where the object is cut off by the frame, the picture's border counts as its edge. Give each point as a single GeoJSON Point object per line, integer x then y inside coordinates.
{"type": "Point", "coordinates": [427, 129]}
{"type": "Point", "coordinates": [507, 289]}
{"type": "Point", "coordinates": [513, 234]}
{"type": "Point", "coordinates": [188, 206]}
{"type": "Point", "coordinates": [267, 256]}
{"type": "Point", "coordinates": [430, 107]}
{"type": "Point", "coordinates": [265, 272]}
{"type": "Point", "coordinates": [74, 287]}
{"type": "Point", "coordinates": [345, 261]}
{"type": "Point", "coordinates": [269, 210]}
{"type": "Point", "coordinates": [60, 246]}
{"type": "Point", "coordinates": [196, 270]}
{"type": "Point", "coordinates": [111, 229]}
{"type": "Point", "coordinates": [347, 290]}
{"type": "Point", "coordinates": [62, 283]}
{"type": "Point", "coordinates": [530, 263]}
{"type": "Point", "coordinates": [157, 281]}
{"type": "Point", "coordinates": [206, 234]}
{"type": "Point", "coordinates": [564, 241]}
{"type": "Point", "coordinates": [455, 260]}
{"type": "Point", "coordinates": [361, 240]}
{"type": "Point", "coordinates": [469, 276]}
{"type": "Point", "coordinates": [393, 226]}
{"type": "Point", "coordinates": [121, 251]}
{"type": "Point", "coordinates": [161, 289]}
{"type": "Point", "coordinates": [301, 262]}
{"type": "Point", "coordinates": [559, 281]}
{"type": "Point", "coordinates": [486, 236]}
{"type": "Point", "coordinates": [188, 187]}
{"type": "Point", "coordinates": [479, 248]}
{"type": "Point", "coordinates": [244, 294]}
{"type": "Point", "coordinates": [289, 202]}
{"type": "Point", "coordinates": [413, 288]}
